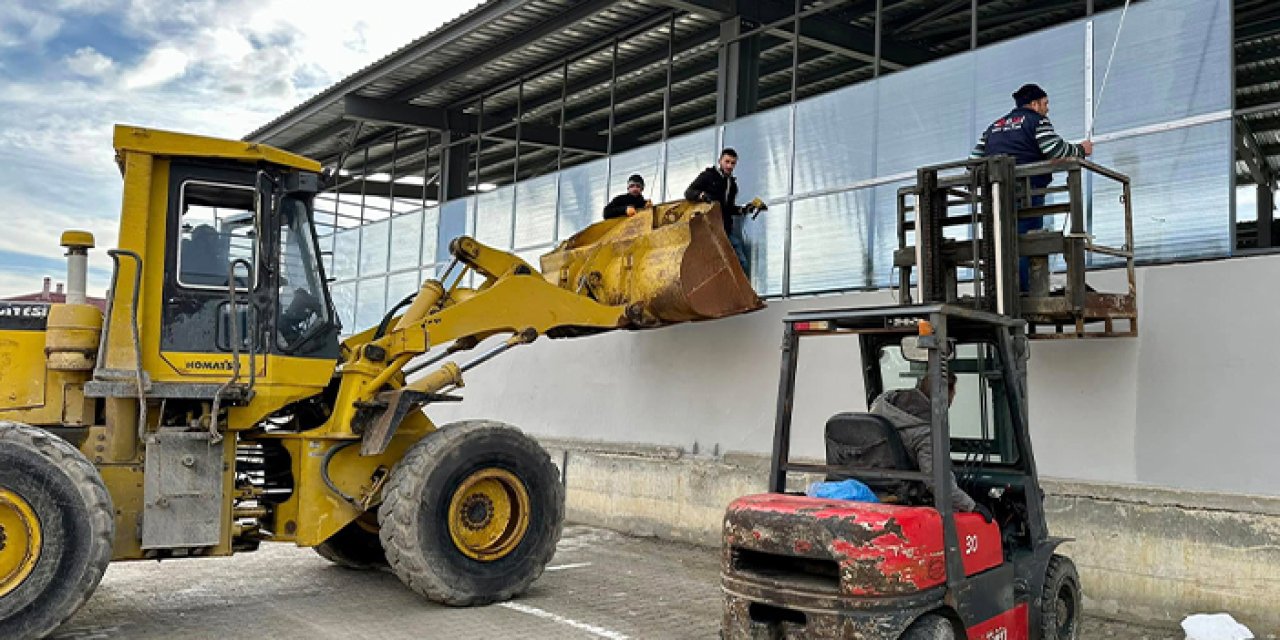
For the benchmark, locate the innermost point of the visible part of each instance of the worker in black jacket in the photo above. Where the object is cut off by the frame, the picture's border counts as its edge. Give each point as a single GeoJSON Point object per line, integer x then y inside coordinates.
{"type": "Point", "coordinates": [628, 203]}
{"type": "Point", "coordinates": [717, 184]}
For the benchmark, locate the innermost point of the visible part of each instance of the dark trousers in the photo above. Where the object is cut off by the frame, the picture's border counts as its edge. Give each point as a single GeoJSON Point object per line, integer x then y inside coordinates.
{"type": "Point", "coordinates": [1024, 264]}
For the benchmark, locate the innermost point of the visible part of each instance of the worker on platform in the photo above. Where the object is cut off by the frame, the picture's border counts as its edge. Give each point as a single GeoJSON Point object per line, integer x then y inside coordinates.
{"type": "Point", "coordinates": [717, 184]}
{"type": "Point", "coordinates": [910, 411]}
{"type": "Point", "coordinates": [628, 203]}
{"type": "Point", "coordinates": [1027, 135]}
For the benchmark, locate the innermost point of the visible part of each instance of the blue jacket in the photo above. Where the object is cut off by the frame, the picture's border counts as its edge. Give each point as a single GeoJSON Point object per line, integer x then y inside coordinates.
{"type": "Point", "coordinates": [1028, 137]}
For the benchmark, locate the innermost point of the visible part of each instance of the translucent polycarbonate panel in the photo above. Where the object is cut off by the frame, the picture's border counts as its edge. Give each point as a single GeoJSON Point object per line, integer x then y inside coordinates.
{"type": "Point", "coordinates": [829, 241]}
{"type": "Point", "coordinates": [766, 248]}
{"type": "Point", "coordinates": [535, 211]}
{"type": "Point", "coordinates": [924, 115]}
{"type": "Point", "coordinates": [835, 139]}
{"type": "Point", "coordinates": [763, 143]}
{"type": "Point", "coordinates": [400, 285]}
{"type": "Point", "coordinates": [324, 238]}
{"type": "Point", "coordinates": [882, 234]}
{"type": "Point", "coordinates": [533, 255]}
{"type": "Point", "coordinates": [1181, 193]}
{"type": "Point", "coordinates": [1002, 68]}
{"type": "Point", "coordinates": [582, 197]}
{"type": "Point", "coordinates": [370, 302]}
{"type": "Point", "coordinates": [646, 162]}
{"type": "Point", "coordinates": [406, 240]}
{"type": "Point", "coordinates": [686, 157]}
{"type": "Point", "coordinates": [430, 230]}
{"type": "Point", "coordinates": [346, 252]}
{"type": "Point", "coordinates": [375, 239]}
{"type": "Point", "coordinates": [455, 220]}
{"type": "Point", "coordinates": [1173, 61]}
{"type": "Point", "coordinates": [344, 300]}
{"type": "Point", "coordinates": [493, 217]}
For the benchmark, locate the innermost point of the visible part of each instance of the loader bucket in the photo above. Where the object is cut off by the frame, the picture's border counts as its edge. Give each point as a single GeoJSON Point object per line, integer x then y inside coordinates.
{"type": "Point", "coordinates": [669, 263]}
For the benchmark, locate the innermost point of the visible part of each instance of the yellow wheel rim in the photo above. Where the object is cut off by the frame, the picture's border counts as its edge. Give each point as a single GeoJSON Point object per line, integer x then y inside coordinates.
{"type": "Point", "coordinates": [489, 514]}
{"type": "Point", "coordinates": [19, 540]}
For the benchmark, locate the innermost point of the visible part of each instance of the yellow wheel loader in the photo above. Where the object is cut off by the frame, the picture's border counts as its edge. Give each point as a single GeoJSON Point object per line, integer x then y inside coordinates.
{"type": "Point", "coordinates": [212, 406]}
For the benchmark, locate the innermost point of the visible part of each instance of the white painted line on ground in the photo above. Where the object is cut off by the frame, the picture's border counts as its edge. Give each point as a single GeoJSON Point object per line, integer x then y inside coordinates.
{"type": "Point", "coordinates": [572, 565]}
{"type": "Point", "coordinates": [581, 626]}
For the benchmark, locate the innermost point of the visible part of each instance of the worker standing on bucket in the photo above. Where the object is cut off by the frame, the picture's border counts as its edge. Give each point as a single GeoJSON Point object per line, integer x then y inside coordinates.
{"type": "Point", "coordinates": [717, 184]}
{"type": "Point", "coordinates": [628, 203]}
{"type": "Point", "coordinates": [1027, 135]}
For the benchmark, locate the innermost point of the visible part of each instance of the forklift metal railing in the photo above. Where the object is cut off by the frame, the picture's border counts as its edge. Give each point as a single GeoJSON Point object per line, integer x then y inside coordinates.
{"type": "Point", "coordinates": [965, 216]}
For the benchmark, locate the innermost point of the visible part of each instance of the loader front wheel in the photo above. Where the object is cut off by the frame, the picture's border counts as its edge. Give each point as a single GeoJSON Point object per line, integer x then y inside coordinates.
{"type": "Point", "coordinates": [355, 546]}
{"type": "Point", "coordinates": [56, 530]}
{"type": "Point", "coordinates": [472, 513]}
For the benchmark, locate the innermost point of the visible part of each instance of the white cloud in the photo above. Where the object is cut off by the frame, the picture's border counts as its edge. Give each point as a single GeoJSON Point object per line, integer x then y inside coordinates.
{"type": "Point", "coordinates": [26, 26]}
{"type": "Point", "coordinates": [160, 66]}
{"type": "Point", "coordinates": [87, 62]}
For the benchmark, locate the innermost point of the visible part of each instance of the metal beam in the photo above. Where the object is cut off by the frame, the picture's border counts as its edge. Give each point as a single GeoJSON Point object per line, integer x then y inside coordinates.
{"type": "Point", "coordinates": [436, 119]}
{"type": "Point", "coordinates": [531, 36]}
{"type": "Point", "coordinates": [852, 40]}
{"type": "Point", "coordinates": [714, 9]}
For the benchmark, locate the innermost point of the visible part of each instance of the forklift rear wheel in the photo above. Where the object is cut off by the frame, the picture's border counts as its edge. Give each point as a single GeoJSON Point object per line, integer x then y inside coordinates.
{"type": "Point", "coordinates": [930, 626]}
{"type": "Point", "coordinates": [355, 546]}
{"type": "Point", "coordinates": [56, 530]}
{"type": "Point", "coordinates": [472, 513]}
{"type": "Point", "coordinates": [1061, 608]}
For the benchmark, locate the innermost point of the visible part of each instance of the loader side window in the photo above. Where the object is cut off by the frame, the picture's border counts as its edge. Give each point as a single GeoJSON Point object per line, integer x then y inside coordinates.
{"type": "Point", "coordinates": [218, 225]}
{"type": "Point", "coordinates": [304, 309]}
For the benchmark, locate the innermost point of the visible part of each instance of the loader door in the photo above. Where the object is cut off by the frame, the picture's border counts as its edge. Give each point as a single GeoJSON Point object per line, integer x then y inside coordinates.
{"type": "Point", "coordinates": [215, 219]}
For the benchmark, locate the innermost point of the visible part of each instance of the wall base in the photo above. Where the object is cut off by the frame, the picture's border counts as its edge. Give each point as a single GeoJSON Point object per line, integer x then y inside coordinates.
{"type": "Point", "coordinates": [1144, 553]}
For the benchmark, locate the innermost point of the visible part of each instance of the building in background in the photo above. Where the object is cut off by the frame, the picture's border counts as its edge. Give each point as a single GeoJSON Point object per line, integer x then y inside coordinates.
{"type": "Point", "coordinates": [516, 121]}
{"type": "Point", "coordinates": [54, 295]}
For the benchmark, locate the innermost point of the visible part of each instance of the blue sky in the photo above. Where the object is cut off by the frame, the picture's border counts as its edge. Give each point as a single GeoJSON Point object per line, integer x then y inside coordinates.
{"type": "Point", "coordinates": [71, 69]}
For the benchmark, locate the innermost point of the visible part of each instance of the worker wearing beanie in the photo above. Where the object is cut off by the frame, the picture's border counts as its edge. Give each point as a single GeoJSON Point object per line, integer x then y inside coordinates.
{"type": "Point", "coordinates": [1027, 135]}
{"type": "Point", "coordinates": [628, 203]}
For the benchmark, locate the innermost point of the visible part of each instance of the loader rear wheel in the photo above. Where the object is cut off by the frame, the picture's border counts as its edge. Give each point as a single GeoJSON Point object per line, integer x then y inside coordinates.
{"type": "Point", "coordinates": [1061, 607]}
{"type": "Point", "coordinates": [355, 546]}
{"type": "Point", "coordinates": [56, 530]}
{"type": "Point", "coordinates": [472, 514]}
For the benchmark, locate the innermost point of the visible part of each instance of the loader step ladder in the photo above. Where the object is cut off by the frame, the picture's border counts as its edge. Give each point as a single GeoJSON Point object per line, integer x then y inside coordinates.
{"type": "Point", "coordinates": [959, 243]}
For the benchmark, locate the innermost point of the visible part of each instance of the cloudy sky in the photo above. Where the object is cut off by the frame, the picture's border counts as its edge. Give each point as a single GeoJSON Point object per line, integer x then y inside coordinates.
{"type": "Point", "coordinates": [70, 69]}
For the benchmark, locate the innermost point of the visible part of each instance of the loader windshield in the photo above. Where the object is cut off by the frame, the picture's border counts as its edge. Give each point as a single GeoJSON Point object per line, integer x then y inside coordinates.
{"type": "Point", "coordinates": [304, 307]}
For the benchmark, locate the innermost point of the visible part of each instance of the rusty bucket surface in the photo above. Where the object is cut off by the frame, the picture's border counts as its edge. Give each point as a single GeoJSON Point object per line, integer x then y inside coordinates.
{"type": "Point", "coordinates": [670, 263]}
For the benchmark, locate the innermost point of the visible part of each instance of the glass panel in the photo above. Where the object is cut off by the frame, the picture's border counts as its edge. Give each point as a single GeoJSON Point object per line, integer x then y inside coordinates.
{"type": "Point", "coordinates": [218, 226]}
{"type": "Point", "coordinates": [766, 248]}
{"type": "Point", "coordinates": [374, 241]}
{"type": "Point", "coordinates": [925, 115]}
{"type": "Point", "coordinates": [302, 309]}
{"type": "Point", "coordinates": [406, 240]}
{"type": "Point", "coordinates": [344, 300]}
{"type": "Point", "coordinates": [687, 156]}
{"type": "Point", "coordinates": [535, 211]}
{"type": "Point", "coordinates": [829, 242]}
{"type": "Point", "coordinates": [646, 161]}
{"type": "Point", "coordinates": [430, 230]}
{"type": "Point", "coordinates": [400, 285]}
{"type": "Point", "coordinates": [455, 220]}
{"type": "Point", "coordinates": [763, 143]}
{"type": "Point", "coordinates": [831, 149]}
{"type": "Point", "coordinates": [493, 217]}
{"type": "Point", "coordinates": [370, 302]}
{"type": "Point", "coordinates": [1004, 67]}
{"type": "Point", "coordinates": [582, 197]}
{"type": "Point", "coordinates": [1181, 193]}
{"type": "Point", "coordinates": [1176, 63]}
{"type": "Point", "coordinates": [346, 249]}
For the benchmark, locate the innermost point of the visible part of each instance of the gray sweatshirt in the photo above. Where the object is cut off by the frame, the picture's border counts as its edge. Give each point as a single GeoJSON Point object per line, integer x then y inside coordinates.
{"type": "Point", "coordinates": [909, 411]}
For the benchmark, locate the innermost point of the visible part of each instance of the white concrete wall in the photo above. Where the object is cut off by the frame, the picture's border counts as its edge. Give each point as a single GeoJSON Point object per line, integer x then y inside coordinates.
{"type": "Point", "coordinates": [1188, 404]}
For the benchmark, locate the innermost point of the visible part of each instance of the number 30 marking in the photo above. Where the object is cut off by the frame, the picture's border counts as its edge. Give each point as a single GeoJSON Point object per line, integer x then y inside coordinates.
{"type": "Point", "coordinates": [970, 545]}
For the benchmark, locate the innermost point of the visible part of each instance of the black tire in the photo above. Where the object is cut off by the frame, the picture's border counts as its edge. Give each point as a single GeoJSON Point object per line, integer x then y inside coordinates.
{"type": "Point", "coordinates": [76, 526]}
{"type": "Point", "coordinates": [1061, 607]}
{"type": "Point", "coordinates": [415, 513]}
{"type": "Point", "coordinates": [355, 546]}
{"type": "Point", "coordinates": [930, 626]}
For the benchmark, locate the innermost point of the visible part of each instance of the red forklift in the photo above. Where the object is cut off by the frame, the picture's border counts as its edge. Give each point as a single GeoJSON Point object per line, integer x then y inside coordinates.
{"type": "Point", "coordinates": [909, 567]}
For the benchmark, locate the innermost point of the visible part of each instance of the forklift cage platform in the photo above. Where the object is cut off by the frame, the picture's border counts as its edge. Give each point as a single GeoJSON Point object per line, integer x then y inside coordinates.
{"type": "Point", "coordinates": [964, 215]}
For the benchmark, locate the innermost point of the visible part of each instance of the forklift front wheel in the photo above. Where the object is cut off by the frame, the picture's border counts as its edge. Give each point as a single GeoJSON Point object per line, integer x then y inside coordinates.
{"type": "Point", "coordinates": [930, 626]}
{"type": "Point", "coordinates": [472, 513]}
{"type": "Point", "coordinates": [1062, 610]}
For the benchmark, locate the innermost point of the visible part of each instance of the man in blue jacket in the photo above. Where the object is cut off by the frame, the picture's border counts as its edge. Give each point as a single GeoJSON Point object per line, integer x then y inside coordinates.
{"type": "Point", "coordinates": [1027, 135]}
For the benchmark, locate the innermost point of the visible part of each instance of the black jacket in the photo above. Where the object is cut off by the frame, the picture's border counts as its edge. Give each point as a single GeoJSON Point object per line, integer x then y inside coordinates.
{"type": "Point", "coordinates": [617, 208]}
{"type": "Point", "coordinates": [720, 189]}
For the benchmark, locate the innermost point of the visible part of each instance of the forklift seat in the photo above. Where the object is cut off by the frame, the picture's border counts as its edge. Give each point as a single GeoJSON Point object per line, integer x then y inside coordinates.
{"type": "Point", "coordinates": [869, 441]}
